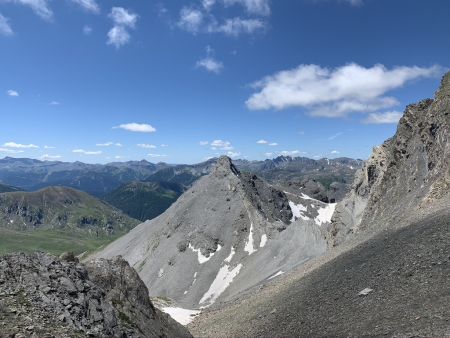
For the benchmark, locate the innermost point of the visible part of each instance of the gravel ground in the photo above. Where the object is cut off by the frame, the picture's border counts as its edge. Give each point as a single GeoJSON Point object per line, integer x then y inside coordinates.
{"type": "Point", "coordinates": [408, 271]}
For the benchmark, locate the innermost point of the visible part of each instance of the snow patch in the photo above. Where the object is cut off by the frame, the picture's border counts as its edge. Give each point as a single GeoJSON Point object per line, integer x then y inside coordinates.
{"type": "Point", "coordinates": [230, 256]}
{"type": "Point", "coordinates": [263, 241]}
{"type": "Point", "coordinates": [203, 259]}
{"type": "Point", "coordinates": [325, 214]}
{"type": "Point", "coordinates": [306, 197]}
{"type": "Point", "coordinates": [249, 246]}
{"type": "Point", "coordinates": [297, 210]}
{"type": "Point", "coordinates": [182, 316]}
{"type": "Point", "coordinates": [223, 279]}
{"type": "Point", "coordinates": [279, 273]}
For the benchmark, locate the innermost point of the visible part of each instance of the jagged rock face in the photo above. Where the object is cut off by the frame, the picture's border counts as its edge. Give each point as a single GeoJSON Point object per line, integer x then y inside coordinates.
{"type": "Point", "coordinates": [229, 232]}
{"type": "Point", "coordinates": [44, 296]}
{"type": "Point", "coordinates": [406, 175]}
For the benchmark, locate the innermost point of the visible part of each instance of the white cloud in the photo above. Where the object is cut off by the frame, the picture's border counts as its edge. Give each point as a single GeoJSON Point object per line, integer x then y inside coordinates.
{"type": "Point", "coordinates": [10, 151]}
{"type": "Point", "coordinates": [273, 144]}
{"type": "Point", "coordinates": [262, 142]}
{"type": "Point", "coordinates": [87, 30]}
{"type": "Point", "coordinates": [137, 127]}
{"type": "Point", "coordinates": [383, 118]}
{"type": "Point", "coordinates": [146, 146]}
{"type": "Point", "coordinates": [49, 147]}
{"type": "Point", "coordinates": [289, 152]}
{"type": "Point", "coordinates": [118, 157]}
{"type": "Point", "coordinates": [156, 155]}
{"type": "Point", "coordinates": [233, 154]}
{"type": "Point", "coordinates": [335, 136]}
{"type": "Point", "coordinates": [259, 7]}
{"type": "Point", "coordinates": [237, 26]}
{"type": "Point", "coordinates": [191, 19]}
{"type": "Point", "coordinates": [109, 144]}
{"type": "Point", "coordinates": [123, 20]}
{"type": "Point", "coordinates": [203, 143]}
{"type": "Point", "coordinates": [5, 27]}
{"type": "Point", "coordinates": [210, 64]}
{"type": "Point", "coordinates": [163, 145]}
{"type": "Point", "coordinates": [208, 4]}
{"type": "Point", "coordinates": [335, 152]}
{"type": "Point", "coordinates": [267, 142]}
{"type": "Point", "coordinates": [18, 145]}
{"type": "Point", "coordinates": [54, 103]}
{"type": "Point", "coordinates": [12, 93]}
{"type": "Point", "coordinates": [335, 92]}
{"type": "Point", "coordinates": [88, 5]}
{"type": "Point", "coordinates": [86, 152]}
{"type": "Point", "coordinates": [354, 3]}
{"type": "Point", "coordinates": [39, 7]}
{"type": "Point", "coordinates": [221, 145]}
{"type": "Point", "coordinates": [48, 157]}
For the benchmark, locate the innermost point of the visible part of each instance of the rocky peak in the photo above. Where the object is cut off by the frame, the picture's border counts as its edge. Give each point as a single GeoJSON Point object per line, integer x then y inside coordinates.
{"type": "Point", "coordinates": [224, 166]}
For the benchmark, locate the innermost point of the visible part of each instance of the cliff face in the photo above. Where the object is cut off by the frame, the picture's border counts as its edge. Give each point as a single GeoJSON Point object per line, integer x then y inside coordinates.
{"type": "Point", "coordinates": [407, 176]}
{"type": "Point", "coordinates": [43, 296]}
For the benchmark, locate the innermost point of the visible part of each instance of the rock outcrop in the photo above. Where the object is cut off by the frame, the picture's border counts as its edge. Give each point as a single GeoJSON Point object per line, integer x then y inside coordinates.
{"type": "Point", "coordinates": [407, 177]}
{"type": "Point", "coordinates": [43, 296]}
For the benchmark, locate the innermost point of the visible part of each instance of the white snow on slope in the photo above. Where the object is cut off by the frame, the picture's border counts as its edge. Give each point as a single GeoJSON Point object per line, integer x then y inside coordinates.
{"type": "Point", "coordinates": [325, 214]}
{"type": "Point", "coordinates": [223, 279]}
{"type": "Point", "coordinates": [249, 245]}
{"type": "Point", "coordinates": [306, 197]}
{"type": "Point", "coordinates": [230, 257]}
{"type": "Point", "coordinates": [182, 316]}
{"type": "Point", "coordinates": [263, 241]}
{"type": "Point", "coordinates": [297, 210]}
{"type": "Point", "coordinates": [202, 259]}
{"type": "Point", "coordinates": [277, 274]}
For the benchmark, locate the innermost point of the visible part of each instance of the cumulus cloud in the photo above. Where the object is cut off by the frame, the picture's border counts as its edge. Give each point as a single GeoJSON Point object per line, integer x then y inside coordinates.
{"type": "Point", "coordinates": [146, 146]}
{"type": "Point", "coordinates": [49, 147]}
{"type": "Point", "coordinates": [86, 152]}
{"type": "Point", "coordinates": [335, 92]}
{"type": "Point", "coordinates": [47, 157]}
{"type": "Point", "coordinates": [39, 7]}
{"type": "Point", "coordinates": [109, 144]}
{"type": "Point", "coordinates": [262, 142]}
{"type": "Point", "coordinates": [383, 118]}
{"type": "Point", "coordinates": [208, 4]}
{"type": "Point", "coordinates": [87, 30]}
{"type": "Point", "coordinates": [5, 27]}
{"type": "Point", "coordinates": [221, 145]}
{"type": "Point", "coordinates": [267, 143]}
{"type": "Point", "coordinates": [191, 19]}
{"type": "Point", "coordinates": [335, 152]}
{"type": "Point", "coordinates": [10, 151]}
{"type": "Point", "coordinates": [89, 5]}
{"type": "Point", "coordinates": [136, 127]}
{"type": "Point", "coordinates": [18, 145]}
{"type": "Point", "coordinates": [210, 64]}
{"type": "Point", "coordinates": [123, 20]}
{"type": "Point", "coordinates": [237, 26]}
{"type": "Point", "coordinates": [12, 93]}
{"type": "Point", "coordinates": [233, 154]}
{"type": "Point", "coordinates": [273, 144]}
{"type": "Point", "coordinates": [258, 7]}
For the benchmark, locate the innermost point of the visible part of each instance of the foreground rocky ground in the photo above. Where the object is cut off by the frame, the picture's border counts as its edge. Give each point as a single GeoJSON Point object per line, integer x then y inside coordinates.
{"type": "Point", "coordinates": [43, 296]}
{"type": "Point", "coordinates": [406, 273]}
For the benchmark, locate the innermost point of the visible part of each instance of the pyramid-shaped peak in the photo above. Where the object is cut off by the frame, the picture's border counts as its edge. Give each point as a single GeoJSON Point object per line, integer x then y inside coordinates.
{"type": "Point", "coordinates": [225, 166]}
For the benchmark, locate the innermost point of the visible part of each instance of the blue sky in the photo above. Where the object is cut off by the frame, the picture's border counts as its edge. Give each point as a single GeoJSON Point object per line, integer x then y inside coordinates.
{"type": "Point", "coordinates": [183, 80]}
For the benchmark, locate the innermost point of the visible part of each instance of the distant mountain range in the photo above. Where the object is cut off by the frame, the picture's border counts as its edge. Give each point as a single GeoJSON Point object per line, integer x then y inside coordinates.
{"type": "Point", "coordinates": [126, 185]}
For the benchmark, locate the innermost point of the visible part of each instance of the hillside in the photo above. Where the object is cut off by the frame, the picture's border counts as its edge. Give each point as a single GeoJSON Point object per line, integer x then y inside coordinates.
{"type": "Point", "coordinates": [144, 200]}
{"type": "Point", "coordinates": [386, 269]}
{"type": "Point", "coordinates": [58, 219]}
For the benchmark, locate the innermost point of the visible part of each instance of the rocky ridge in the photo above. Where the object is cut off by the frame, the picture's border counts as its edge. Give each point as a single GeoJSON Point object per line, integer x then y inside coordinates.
{"type": "Point", "coordinates": [43, 296]}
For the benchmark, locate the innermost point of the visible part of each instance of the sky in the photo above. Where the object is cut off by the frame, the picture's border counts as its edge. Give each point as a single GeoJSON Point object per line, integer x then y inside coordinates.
{"type": "Point", "coordinates": [181, 81]}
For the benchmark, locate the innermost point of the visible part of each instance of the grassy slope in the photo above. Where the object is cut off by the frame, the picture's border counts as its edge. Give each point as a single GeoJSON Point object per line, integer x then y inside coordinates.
{"type": "Point", "coordinates": [51, 241]}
